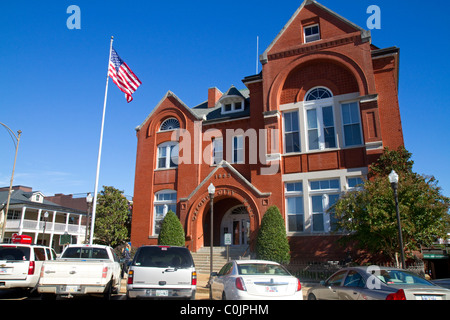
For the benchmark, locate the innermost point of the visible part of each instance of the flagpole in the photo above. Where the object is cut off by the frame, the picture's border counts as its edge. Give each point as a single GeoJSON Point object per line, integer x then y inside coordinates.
{"type": "Point", "coordinates": [94, 206]}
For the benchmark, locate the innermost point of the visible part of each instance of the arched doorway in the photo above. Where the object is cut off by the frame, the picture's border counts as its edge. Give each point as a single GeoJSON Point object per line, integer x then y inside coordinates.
{"type": "Point", "coordinates": [236, 222]}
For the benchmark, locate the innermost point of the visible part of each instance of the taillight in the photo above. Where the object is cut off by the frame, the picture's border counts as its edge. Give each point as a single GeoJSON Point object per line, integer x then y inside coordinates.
{"type": "Point", "coordinates": [240, 284]}
{"type": "Point", "coordinates": [130, 277]}
{"type": "Point", "coordinates": [194, 279]}
{"type": "Point", "coordinates": [299, 285]}
{"type": "Point", "coordinates": [399, 295]}
{"type": "Point", "coordinates": [104, 272]}
{"type": "Point", "coordinates": [31, 268]}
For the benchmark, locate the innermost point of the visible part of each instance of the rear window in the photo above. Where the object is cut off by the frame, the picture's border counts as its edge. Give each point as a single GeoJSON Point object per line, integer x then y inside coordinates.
{"type": "Point", "coordinates": [163, 257]}
{"type": "Point", "coordinates": [262, 269]}
{"type": "Point", "coordinates": [14, 253]}
{"type": "Point", "coordinates": [85, 253]}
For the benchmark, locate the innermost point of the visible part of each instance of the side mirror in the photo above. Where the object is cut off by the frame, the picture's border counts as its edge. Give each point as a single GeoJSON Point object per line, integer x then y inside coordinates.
{"type": "Point", "coordinates": [214, 274]}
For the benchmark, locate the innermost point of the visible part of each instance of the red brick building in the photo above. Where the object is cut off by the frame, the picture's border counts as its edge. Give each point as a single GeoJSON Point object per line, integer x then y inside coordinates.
{"type": "Point", "coordinates": [302, 132]}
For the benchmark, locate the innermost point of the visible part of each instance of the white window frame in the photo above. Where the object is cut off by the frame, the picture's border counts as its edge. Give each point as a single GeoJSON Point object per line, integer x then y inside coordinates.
{"type": "Point", "coordinates": [236, 104]}
{"type": "Point", "coordinates": [318, 106]}
{"type": "Point", "coordinates": [238, 154]}
{"type": "Point", "coordinates": [312, 37]}
{"type": "Point", "coordinates": [354, 122]}
{"type": "Point", "coordinates": [290, 195]}
{"type": "Point", "coordinates": [169, 157]}
{"type": "Point", "coordinates": [217, 150]}
{"type": "Point", "coordinates": [325, 194]}
{"type": "Point", "coordinates": [166, 205]}
{"type": "Point", "coordinates": [171, 119]}
{"type": "Point", "coordinates": [291, 132]}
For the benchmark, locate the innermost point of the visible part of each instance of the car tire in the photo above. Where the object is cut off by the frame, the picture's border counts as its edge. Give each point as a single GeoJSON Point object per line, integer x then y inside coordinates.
{"type": "Point", "coordinates": [311, 296]}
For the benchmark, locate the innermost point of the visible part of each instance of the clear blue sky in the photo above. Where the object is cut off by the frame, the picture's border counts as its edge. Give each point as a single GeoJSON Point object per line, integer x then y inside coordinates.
{"type": "Point", "coordinates": [53, 79]}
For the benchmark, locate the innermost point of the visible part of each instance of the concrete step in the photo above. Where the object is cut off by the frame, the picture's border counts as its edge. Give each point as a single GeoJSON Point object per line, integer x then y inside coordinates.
{"type": "Point", "coordinates": [202, 257]}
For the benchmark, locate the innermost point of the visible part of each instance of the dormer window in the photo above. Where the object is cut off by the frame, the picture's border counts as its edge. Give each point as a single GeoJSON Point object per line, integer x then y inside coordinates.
{"type": "Point", "coordinates": [311, 33]}
{"type": "Point", "coordinates": [169, 124]}
{"type": "Point", "coordinates": [230, 105]}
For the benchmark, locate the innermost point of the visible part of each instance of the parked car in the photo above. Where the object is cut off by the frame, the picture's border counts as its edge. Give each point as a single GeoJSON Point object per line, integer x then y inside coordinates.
{"type": "Point", "coordinates": [21, 263]}
{"type": "Point", "coordinates": [81, 270]}
{"type": "Point", "coordinates": [377, 283]}
{"type": "Point", "coordinates": [254, 280]}
{"type": "Point", "coordinates": [162, 272]}
{"type": "Point", "coordinates": [445, 283]}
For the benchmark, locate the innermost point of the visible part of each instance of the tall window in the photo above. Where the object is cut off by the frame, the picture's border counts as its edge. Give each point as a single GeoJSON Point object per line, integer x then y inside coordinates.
{"type": "Point", "coordinates": [352, 124]}
{"type": "Point", "coordinates": [238, 149]}
{"type": "Point", "coordinates": [217, 152]}
{"type": "Point", "coordinates": [320, 119]}
{"type": "Point", "coordinates": [294, 206]}
{"type": "Point", "coordinates": [291, 132]}
{"type": "Point", "coordinates": [167, 155]}
{"type": "Point", "coordinates": [324, 194]}
{"type": "Point", "coordinates": [165, 201]}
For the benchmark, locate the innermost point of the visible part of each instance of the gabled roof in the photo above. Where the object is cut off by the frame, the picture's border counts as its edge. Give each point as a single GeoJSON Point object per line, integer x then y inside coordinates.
{"type": "Point", "coordinates": [167, 95]}
{"type": "Point", "coordinates": [236, 174]}
{"type": "Point", "coordinates": [365, 34]}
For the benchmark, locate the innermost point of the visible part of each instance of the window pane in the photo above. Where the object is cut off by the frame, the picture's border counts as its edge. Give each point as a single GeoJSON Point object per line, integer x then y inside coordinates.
{"type": "Point", "coordinates": [295, 205]}
{"type": "Point", "coordinates": [295, 223]}
{"type": "Point", "coordinates": [312, 119]}
{"type": "Point", "coordinates": [313, 139]}
{"type": "Point", "coordinates": [352, 134]}
{"type": "Point", "coordinates": [294, 187]}
{"type": "Point", "coordinates": [317, 205]}
{"type": "Point", "coordinates": [330, 139]}
{"type": "Point", "coordinates": [318, 222]}
{"type": "Point", "coordinates": [328, 120]}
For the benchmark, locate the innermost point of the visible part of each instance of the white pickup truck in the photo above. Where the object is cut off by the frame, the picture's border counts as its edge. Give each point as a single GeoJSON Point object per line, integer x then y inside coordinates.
{"type": "Point", "coordinates": [81, 270]}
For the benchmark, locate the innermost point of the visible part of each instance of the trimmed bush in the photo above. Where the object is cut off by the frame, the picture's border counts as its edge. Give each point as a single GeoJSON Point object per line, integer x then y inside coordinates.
{"type": "Point", "coordinates": [172, 232]}
{"type": "Point", "coordinates": [272, 243]}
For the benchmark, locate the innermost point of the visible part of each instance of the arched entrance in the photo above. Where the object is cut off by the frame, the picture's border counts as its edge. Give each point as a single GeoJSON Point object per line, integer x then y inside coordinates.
{"type": "Point", "coordinates": [236, 222]}
{"type": "Point", "coordinates": [235, 212]}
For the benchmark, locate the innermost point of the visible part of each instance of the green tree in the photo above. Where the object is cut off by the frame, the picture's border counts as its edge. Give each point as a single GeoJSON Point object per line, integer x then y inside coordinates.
{"type": "Point", "coordinates": [172, 232]}
{"type": "Point", "coordinates": [112, 216]}
{"type": "Point", "coordinates": [272, 243]}
{"type": "Point", "coordinates": [369, 214]}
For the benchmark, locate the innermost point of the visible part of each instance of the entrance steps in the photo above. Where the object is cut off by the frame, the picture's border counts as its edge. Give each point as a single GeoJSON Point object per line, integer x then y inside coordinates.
{"type": "Point", "coordinates": [202, 257]}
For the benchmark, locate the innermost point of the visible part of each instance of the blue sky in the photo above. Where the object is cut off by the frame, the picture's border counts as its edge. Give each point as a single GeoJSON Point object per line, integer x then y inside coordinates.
{"type": "Point", "coordinates": [53, 78]}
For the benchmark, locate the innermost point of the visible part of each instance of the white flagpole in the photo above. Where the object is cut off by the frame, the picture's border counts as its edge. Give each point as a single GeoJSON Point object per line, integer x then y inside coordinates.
{"type": "Point", "coordinates": [94, 206]}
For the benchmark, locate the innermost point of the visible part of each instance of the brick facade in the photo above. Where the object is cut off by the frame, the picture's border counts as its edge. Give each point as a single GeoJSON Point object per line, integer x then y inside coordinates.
{"type": "Point", "coordinates": [343, 61]}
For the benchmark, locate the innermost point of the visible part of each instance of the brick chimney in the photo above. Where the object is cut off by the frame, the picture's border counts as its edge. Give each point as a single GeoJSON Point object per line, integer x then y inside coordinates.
{"type": "Point", "coordinates": [214, 95]}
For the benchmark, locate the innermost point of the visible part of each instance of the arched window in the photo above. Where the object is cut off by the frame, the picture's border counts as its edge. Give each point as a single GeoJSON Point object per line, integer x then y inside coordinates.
{"type": "Point", "coordinates": [165, 201]}
{"type": "Point", "coordinates": [169, 124]}
{"type": "Point", "coordinates": [318, 94]}
{"type": "Point", "coordinates": [320, 119]}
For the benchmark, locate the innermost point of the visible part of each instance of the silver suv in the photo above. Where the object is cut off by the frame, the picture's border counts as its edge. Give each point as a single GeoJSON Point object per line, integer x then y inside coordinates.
{"type": "Point", "coordinates": [162, 272]}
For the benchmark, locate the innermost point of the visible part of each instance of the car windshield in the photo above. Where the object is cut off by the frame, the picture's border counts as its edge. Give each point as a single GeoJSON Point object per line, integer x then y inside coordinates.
{"type": "Point", "coordinates": [11, 253]}
{"type": "Point", "coordinates": [163, 257]}
{"type": "Point", "coordinates": [262, 269]}
{"type": "Point", "coordinates": [85, 253]}
{"type": "Point", "coordinates": [396, 277]}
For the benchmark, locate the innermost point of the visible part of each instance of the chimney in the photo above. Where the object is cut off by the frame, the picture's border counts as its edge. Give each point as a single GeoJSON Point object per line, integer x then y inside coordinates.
{"type": "Point", "coordinates": [214, 95]}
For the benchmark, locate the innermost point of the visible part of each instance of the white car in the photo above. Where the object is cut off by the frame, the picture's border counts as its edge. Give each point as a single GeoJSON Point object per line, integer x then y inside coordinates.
{"type": "Point", "coordinates": [255, 280]}
{"type": "Point", "coordinates": [21, 263]}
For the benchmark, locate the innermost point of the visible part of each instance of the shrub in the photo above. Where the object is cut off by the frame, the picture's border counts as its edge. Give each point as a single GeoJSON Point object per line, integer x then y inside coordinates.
{"type": "Point", "coordinates": [272, 243]}
{"type": "Point", "coordinates": [172, 232]}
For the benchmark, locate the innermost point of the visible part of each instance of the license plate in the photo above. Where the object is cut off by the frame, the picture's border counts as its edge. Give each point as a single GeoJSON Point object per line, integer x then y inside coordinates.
{"type": "Point", "coordinates": [428, 297]}
{"type": "Point", "coordinates": [71, 288]}
{"type": "Point", "coordinates": [271, 289]}
{"type": "Point", "coordinates": [162, 293]}
{"type": "Point", "coordinates": [4, 270]}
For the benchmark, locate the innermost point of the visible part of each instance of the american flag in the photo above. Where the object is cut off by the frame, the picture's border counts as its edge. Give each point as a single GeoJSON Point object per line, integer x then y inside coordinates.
{"type": "Point", "coordinates": [122, 75]}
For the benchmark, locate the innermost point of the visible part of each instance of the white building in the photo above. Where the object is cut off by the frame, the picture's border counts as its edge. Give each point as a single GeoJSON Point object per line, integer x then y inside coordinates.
{"type": "Point", "coordinates": [45, 221]}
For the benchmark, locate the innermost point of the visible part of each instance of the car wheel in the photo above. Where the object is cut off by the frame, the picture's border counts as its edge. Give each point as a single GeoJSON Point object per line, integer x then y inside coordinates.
{"type": "Point", "coordinates": [311, 296]}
